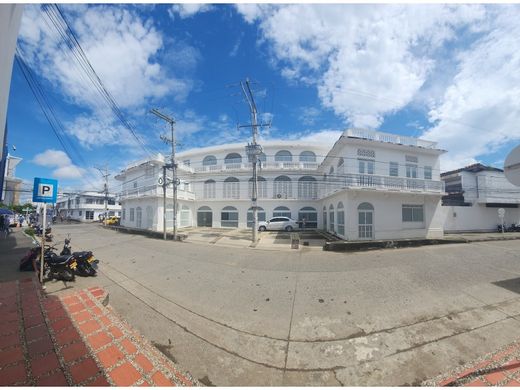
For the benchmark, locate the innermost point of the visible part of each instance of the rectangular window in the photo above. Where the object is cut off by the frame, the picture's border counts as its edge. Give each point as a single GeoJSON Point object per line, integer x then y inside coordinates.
{"type": "Point", "coordinates": [428, 173]}
{"type": "Point", "coordinates": [80, 213]}
{"type": "Point", "coordinates": [366, 166]}
{"type": "Point", "coordinates": [124, 214]}
{"type": "Point", "coordinates": [89, 215]}
{"type": "Point", "coordinates": [394, 169]}
{"type": "Point", "coordinates": [89, 200]}
{"type": "Point", "coordinates": [411, 171]}
{"type": "Point", "coordinates": [413, 213]}
{"type": "Point", "coordinates": [132, 211]}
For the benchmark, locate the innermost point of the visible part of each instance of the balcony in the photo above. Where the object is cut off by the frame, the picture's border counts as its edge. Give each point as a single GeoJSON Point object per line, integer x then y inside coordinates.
{"type": "Point", "coordinates": [385, 183]}
{"type": "Point", "coordinates": [155, 190]}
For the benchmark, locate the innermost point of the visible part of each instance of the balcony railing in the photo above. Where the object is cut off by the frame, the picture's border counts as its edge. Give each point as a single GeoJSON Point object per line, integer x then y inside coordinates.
{"type": "Point", "coordinates": [382, 183]}
{"type": "Point", "coordinates": [155, 190]}
{"type": "Point", "coordinates": [286, 165]}
{"type": "Point", "coordinates": [391, 138]}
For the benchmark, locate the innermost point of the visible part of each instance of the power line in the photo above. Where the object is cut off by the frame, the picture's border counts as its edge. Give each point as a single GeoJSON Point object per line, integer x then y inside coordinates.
{"type": "Point", "coordinates": [70, 39]}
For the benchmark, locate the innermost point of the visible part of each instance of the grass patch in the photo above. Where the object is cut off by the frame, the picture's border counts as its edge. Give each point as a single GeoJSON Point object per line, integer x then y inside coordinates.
{"type": "Point", "coordinates": [30, 232]}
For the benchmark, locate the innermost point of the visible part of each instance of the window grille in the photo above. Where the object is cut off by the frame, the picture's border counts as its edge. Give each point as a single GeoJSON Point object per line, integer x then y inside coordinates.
{"type": "Point", "coordinates": [366, 153]}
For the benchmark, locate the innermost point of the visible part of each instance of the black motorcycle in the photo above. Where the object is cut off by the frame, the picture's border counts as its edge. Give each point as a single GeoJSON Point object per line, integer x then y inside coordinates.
{"type": "Point", "coordinates": [86, 261]}
{"type": "Point", "coordinates": [55, 266]}
{"type": "Point", "coordinates": [39, 231]}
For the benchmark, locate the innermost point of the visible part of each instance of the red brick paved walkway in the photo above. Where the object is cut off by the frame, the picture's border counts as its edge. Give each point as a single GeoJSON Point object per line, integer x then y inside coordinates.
{"type": "Point", "coordinates": [74, 340]}
{"type": "Point", "coordinates": [500, 368]}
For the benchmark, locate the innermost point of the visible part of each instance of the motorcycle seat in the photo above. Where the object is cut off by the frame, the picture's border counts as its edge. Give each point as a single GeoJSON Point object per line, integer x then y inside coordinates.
{"type": "Point", "coordinates": [57, 260]}
{"type": "Point", "coordinates": [82, 254]}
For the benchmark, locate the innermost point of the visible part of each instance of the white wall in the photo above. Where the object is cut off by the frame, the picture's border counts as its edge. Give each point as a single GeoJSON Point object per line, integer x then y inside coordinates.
{"type": "Point", "coordinates": [387, 215]}
{"type": "Point", "coordinates": [10, 18]}
{"type": "Point", "coordinates": [477, 217]}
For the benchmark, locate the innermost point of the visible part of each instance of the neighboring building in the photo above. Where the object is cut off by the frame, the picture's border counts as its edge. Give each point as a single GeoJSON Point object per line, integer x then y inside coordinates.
{"type": "Point", "coordinates": [474, 195]}
{"type": "Point", "coordinates": [370, 185]}
{"type": "Point", "coordinates": [88, 206]}
{"type": "Point", "coordinates": [11, 184]}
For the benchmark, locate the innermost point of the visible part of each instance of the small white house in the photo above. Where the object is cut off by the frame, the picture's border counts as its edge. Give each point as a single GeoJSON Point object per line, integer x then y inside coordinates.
{"type": "Point", "coordinates": [370, 185]}
{"type": "Point", "coordinates": [474, 195]}
{"type": "Point", "coordinates": [87, 206]}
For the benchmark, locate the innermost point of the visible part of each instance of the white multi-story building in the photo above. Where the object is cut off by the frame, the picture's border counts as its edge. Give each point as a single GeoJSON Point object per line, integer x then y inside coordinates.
{"type": "Point", "coordinates": [370, 185]}
{"type": "Point", "coordinates": [474, 195]}
{"type": "Point", "coordinates": [87, 206]}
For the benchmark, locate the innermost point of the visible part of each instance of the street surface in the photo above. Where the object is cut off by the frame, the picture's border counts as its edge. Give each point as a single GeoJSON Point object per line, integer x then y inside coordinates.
{"type": "Point", "coordinates": [241, 316]}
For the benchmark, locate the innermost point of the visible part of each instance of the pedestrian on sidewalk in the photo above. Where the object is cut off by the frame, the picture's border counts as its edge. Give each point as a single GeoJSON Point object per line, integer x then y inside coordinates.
{"type": "Point", "coordinates": [4, 225]}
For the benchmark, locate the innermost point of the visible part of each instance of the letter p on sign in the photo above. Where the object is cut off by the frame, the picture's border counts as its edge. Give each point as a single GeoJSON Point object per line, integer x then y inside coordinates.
{"type": "Point", "coordinates": [45, 190]}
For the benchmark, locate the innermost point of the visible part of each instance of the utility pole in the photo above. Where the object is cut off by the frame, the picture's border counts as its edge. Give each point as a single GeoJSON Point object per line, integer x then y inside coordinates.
{"type": "Point", "coordinates": [105, 175]}
{"type": "Point", "coordinates": [173, 166]}
{"type": "Point", "coordinates": [253, 151]}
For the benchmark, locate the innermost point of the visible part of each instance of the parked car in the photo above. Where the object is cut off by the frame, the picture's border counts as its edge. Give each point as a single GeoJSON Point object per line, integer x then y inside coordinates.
{"type": "Point", "coordinates": [278, 223]}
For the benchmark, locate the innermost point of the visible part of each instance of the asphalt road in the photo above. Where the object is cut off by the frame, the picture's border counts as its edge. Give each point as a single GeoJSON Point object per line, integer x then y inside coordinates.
{"type": "Point", "coordinates": [233, 316]}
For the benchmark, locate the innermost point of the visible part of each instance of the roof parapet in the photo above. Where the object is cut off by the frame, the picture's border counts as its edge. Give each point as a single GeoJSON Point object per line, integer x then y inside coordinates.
{"type": "Point", "coordinates": [390, 138]}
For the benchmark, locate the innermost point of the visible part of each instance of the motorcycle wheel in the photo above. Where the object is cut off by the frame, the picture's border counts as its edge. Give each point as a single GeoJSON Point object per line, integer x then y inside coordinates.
{"type": "Point", "coordinates": [66, 275]}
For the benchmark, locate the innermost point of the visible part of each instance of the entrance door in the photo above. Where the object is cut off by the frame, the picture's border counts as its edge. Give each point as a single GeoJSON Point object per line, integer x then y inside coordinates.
{"type": "Point", "coordinates": [366, 221]}
{"type": "Point", "coordinates": [204, 217]}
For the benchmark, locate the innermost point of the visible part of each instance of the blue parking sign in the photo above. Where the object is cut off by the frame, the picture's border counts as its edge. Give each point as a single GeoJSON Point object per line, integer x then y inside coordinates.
{"type": "Point", "coordinates": [45, 190]}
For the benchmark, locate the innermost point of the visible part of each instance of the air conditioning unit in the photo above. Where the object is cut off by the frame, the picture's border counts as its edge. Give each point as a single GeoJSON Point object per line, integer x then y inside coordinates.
{"type": "Point", "coordinates": [279, 196]}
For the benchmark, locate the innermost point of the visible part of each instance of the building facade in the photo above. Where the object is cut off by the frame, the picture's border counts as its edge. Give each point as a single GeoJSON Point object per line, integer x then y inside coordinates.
{"type": "Point", "coordinates": [474, 195]}
{"type": "Point", "coordinates": [11, 184]}
{"type": "Point", "coordinates": [88, 206]}
{"type": "Point", "coordinates": [370, 185]}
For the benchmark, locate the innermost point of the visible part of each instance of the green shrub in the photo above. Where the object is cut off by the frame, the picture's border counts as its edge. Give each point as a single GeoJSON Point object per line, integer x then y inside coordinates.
{"type": "Point", "coordinates": [30, 232]}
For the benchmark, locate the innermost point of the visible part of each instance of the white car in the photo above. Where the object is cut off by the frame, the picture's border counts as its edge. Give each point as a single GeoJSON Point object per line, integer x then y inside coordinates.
{"type": "Point", "coordinates": [278, 223]}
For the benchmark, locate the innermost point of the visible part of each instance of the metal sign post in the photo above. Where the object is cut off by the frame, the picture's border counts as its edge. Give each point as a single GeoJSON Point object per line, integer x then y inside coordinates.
{"type": "Point", "coordinates": [44, 191]}
{"type": "Point", "coordinates": [501, 214]}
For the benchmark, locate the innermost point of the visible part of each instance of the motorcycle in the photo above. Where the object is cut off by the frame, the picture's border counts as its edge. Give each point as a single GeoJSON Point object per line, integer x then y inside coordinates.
{"type": "Point", "coordinates": [55, 266]}
{"type": "Point", "coordinates": [39, 231]}
{"type": "Point", "coordinates": [87, 263]}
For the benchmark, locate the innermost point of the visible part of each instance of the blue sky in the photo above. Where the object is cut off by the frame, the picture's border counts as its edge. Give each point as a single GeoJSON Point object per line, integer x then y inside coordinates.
{"type": "Point", "coordinates": [447, 73]}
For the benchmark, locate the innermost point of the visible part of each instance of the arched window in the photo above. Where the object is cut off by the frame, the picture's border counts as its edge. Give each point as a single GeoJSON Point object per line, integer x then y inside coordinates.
{"type": "Point", "coordinates": [204, 216]}
{"type": "Point", "coordinates": [324, 218]}
{"type": "Point", "coordinates": [261, 216]}
{"type": "Point", "coordinates": [365, 220]}
{"type": "Point", "coordinates": [209, 189]}
{"type": "Point", "coordinates": [283, 156]}
{"type": "Point", "coordinates": [309, 215]}
{"type": "Point", "coordinates": [185, 219]}
{"type": "Point", "coordinates": [307, 156]}
{"type": "Point", "coordinates": [282, 211]}
{"type": "Point", "coordinates": [209, 160]}
{"type": "Point", "coordinates": [261, 187]}
{"type": "Point", "coordinates": [229, 217]}
{"type": "Point", "coordinates": [341, 219]}
{"type": "Point", "coordinates": [331, 218]}
{"type": "Point", "coordinates": [282, 187]}
{"type": "Point", "coordinates": [307, 188]}
{"type": "Point", "coordinates": [262, 157]}
{"type": "Point", "coordinates": [231, 188]}
{"type": "Point", "coordinates": [233, 158]}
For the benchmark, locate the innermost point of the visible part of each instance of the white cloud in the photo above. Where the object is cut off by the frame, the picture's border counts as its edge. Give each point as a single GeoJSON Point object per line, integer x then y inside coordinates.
{"type": "Point", "coordinates": [121, 46]}
{"type": "Point", "coordinates": [187, 10]}
{"type": "Point", "coordinates": [95, 131]}
{"type": "Point", "coordinates": [478, 113]}
{"type": "Point", "coordinates": [366, 60]}
{"type": "Point", "coordinates": [64, 168]}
